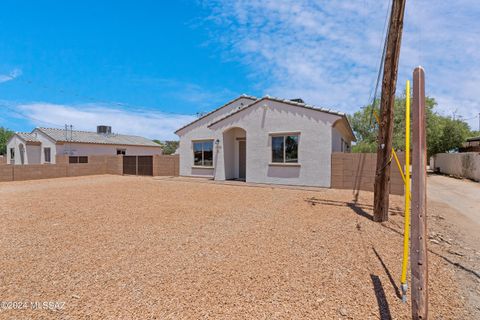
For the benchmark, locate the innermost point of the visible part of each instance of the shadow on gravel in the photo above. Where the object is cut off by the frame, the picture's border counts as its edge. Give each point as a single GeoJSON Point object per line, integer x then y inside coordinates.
{"type": "Point", "coordinates": [453, 263]}
{"type": "Point", "coordinates": [392, 281]}
{"type": "Point", "coordinates": [358, 208]}
{"type": "Point", "coordinates": [456, 264]}
{"type": "Point", "coordinates": [381, 298]}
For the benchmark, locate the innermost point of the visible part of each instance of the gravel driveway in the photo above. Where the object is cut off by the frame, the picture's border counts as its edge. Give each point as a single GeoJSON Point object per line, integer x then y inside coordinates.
{"type": "Point", "coordinates": [113, 247]}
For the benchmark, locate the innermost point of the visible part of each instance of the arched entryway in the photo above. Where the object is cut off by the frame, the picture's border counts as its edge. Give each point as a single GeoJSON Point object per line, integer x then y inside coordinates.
{"type": "Point", "coordinates": [235, 153]}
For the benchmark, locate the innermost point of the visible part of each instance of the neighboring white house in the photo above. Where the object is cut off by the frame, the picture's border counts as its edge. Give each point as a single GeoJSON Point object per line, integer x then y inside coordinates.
{"type": "Point", "coordinates": [265, 140]}
{"type": "Point", "coordinates": [43, 144]}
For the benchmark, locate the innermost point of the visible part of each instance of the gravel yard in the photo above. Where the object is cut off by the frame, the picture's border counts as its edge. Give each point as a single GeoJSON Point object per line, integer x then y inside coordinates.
{"type": "Point", "coordinates": [119, 247]}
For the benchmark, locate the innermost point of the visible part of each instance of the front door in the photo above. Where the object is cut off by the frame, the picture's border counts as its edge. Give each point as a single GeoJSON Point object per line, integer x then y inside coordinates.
{"type": "Point", "coordinates": [242, 159]}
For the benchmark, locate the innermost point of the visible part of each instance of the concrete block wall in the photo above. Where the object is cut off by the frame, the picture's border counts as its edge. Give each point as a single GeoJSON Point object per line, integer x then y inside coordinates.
{"type": "Point", "coordinates": [162, 166]}
{"type": "Point", "coordinates": [356, 171]}
{"type": "Point", "coordinates": [6, 173]}
{"type": "Point", "coordinates": [38, 171]}
{"type": "Point", "coordinates": [95, 165]}
{"type": "Point", "coordinates": [114, 165]}
{"type": "Point", "coordinates": [462, 165]}
{"type": "Point", "coordinates": [166, 165]}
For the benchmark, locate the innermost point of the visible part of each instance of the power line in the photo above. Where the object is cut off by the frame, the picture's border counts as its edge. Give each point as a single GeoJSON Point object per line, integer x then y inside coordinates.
{"type": "Point", "coordinates": [90, 98]}
{"type": "Point", "coordinates": [386, 28]}
{"type": "Point", "coordinates": [23, 115]}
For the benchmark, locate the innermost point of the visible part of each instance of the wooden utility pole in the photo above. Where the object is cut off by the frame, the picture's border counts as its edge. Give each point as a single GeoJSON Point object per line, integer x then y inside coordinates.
{"type": "Point", "coordinates": [418, 253]}
{"type": "Point", "coordinates": [389, 83]}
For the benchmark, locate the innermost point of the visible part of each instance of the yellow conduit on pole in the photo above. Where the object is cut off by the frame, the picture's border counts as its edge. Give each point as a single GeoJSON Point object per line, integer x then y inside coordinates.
{"type": "Point", "coordinates": [406, 234]}
{"type": "Point", "coordinates": [406, 181]}
{"type": "Point", "coordinates": [394, 154]}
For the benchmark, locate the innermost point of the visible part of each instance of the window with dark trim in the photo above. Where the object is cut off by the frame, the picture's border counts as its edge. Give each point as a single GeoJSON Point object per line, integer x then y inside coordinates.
{"type": "Point", "coordinates": [78, 159]}
{"type": "Point", "coordinates": [47, 154]}
{"type": "Point", "coordinates": [203, 153]}
{"type": "Point", "coordinates": [285, 148]}
{"type": "Point", "coordinates": [121, 152]}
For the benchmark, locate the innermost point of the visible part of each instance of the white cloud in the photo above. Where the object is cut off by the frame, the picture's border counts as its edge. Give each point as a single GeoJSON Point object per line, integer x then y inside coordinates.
{"type": "Point", "coordinates": [147, 123]}
{"type": "Point", "coordinates": [12, 75]}
{"type": "Point", "coordinates": [327, 52]}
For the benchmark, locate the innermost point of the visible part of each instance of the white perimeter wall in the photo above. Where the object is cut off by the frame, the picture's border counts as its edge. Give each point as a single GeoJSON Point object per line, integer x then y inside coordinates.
{"type": "Point", "coordinates": [465, 164]}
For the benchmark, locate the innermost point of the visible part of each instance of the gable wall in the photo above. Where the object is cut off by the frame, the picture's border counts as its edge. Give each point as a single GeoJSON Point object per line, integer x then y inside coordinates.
{"type": "Point", "coordinates": [47, 142]}
{"type": "Point", "coordinates": [31, 152]}
{"type": "Point", "coordinates": [200, 130]}
{"type": "Point", "coordinates": [15, 142]}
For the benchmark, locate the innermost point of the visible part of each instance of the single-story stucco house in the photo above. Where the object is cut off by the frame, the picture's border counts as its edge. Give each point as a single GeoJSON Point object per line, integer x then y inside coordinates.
{"type": "Point", "coordinates": [265, 140]}
{"type": "Point", "coordinates": [42, 145]}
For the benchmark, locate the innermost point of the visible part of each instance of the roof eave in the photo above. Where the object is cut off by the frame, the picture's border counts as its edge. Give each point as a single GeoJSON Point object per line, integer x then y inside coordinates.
{"type": "Point", "coordinates": [109, 144]}
{"type": "Point", "coordinates": [292, 103]}
{"type": "Point", "coordinates": [215, 110]}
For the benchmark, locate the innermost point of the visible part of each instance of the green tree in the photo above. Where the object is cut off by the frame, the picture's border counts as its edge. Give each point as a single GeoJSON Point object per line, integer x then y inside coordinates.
{"type": "Point", "coordinates": [443, 133]}
{"type": "Point", "coordinates": [5, 134]}
{"type": "Point", "coordinates": [168, 147]}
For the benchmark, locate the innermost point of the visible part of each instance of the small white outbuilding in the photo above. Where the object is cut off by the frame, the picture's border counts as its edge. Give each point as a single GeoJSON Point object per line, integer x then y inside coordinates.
{"type": "Point", "coordinates": [43, 144]}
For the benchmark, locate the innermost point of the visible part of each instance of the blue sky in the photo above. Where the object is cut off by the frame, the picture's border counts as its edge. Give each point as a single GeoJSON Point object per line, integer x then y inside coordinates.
{"type": "Point", "coordinates": [147, 67]}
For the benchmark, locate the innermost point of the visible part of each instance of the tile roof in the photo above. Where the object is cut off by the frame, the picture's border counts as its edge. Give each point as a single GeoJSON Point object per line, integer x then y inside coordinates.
{"type": "Point", "coordinates": [97, 138]}
{"type": "Point", "coordinates": [28, 137]}
{"type": "Point", "coordinates": [290, 102]}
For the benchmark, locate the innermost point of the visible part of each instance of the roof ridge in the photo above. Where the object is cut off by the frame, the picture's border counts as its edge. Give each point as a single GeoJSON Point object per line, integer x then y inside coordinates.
{"type": "Point", "coordinates": [58, 129]}
{"type": "Point", "coordinates": [86, 131]}
{"type": "Point", "coordinates": [303, 104]}
{"type": "Point", "coordinates": [294, 103]}
{"type": "Point", "coordinates": [243, 95]}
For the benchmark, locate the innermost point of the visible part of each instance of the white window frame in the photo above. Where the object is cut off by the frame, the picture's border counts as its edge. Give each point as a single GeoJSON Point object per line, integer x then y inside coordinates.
{"type": "Point", "coordinates": [284, 135]}
{"type": "Point", "coordinates": [203, 160]}
{"type": "Point", "coordinates": [123, 152]}
{"type": "Point", "coordinates": [12, 153]}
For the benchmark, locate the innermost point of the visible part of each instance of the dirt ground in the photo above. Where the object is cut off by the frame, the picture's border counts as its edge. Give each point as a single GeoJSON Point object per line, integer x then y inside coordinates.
{"type": "Point", "coordinates": [113, 247]}
{"type": "Point", "coordinates": [455, 231]}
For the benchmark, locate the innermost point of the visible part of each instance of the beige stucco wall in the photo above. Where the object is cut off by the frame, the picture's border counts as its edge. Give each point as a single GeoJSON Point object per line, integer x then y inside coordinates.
{"type": "Point", "coordinates": [466, 165]}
